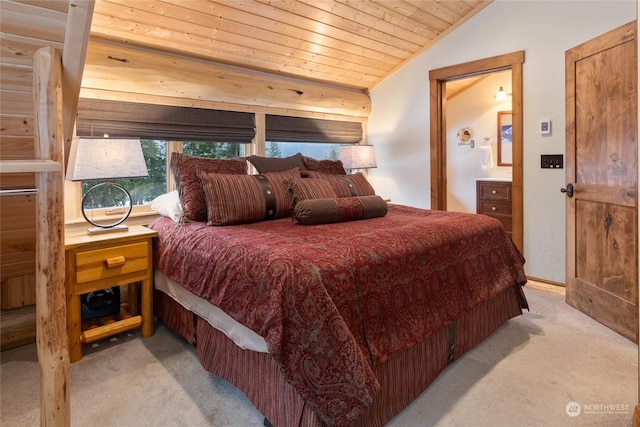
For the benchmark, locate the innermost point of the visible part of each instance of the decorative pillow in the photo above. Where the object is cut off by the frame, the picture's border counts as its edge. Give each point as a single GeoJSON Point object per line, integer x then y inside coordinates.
{"type": "Point", "coordinates": [359, 184]}
{"type": "Point", "coordinates": [275, 164]}
{"type": "Point", "coordinates": [168, 205]}
{"type": "Point", "coordinates": [346, 185]}
{"type": "Point", "coordinates": [239, 199]}
{"type": "Point", "coordinates": [310, 188]}
{"type": "Point", "coordinates": [327, 211]}
{"type": "Point", "coordinates": [334, 167]}
{"type": "Point", "coordinates": [189, 189]}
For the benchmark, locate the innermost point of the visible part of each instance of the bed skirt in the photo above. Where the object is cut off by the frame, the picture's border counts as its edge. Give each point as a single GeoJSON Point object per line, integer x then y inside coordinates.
{"type": "Point", "coordinates": [402, 378]}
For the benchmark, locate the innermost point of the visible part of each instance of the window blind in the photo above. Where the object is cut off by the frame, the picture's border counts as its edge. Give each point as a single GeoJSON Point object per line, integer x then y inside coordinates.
{"type": "Point", "coordinates": [302, 129]}
{"type": "Point", "coordinates": [119, 119]}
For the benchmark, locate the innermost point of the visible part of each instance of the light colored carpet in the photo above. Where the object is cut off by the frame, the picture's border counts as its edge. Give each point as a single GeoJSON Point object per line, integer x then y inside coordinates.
{"type": "Point", "coordinates": [525, 374]}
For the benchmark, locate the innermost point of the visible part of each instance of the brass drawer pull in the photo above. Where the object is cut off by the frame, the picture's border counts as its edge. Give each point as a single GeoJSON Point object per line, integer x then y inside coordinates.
{"type": "Point", "coordinates": [116, 261]}
{"type": "Point", "coordinates": [493, 208]}
{"type": "Point", "coordinates": [494, 192]}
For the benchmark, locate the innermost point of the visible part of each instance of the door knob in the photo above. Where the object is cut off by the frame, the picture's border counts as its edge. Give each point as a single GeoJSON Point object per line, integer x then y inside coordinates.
{"type": "Point", "coordinates": [568, 190]}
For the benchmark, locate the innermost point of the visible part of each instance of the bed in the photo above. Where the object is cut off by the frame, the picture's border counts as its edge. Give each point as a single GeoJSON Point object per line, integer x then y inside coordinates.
{"type": "Point", "coordinates": [340, 323]}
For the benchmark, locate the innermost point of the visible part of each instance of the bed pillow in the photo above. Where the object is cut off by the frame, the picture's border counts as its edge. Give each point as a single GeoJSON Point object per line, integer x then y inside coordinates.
{"type": "Point", "coordinates": [168, 205]}
{"type": "Point", "coordinates": [327, 211]}
{"type": "Point", "coordinates": [310, 188]}
{"type": "Point", "coordinates": [276, 164]}
{"type": "Point", "coordinates": [189, 189]}
{"type": "Point", "coordinates": [334, 167]}
{"type": "Point", "coordinates": [352, 185]}
{"type": "Point", "coordinates": [240, 199]}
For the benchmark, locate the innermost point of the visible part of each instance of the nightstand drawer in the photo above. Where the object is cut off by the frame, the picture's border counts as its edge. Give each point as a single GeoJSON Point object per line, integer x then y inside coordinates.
{"type": "Point", "coordinates": [111, 262]}
{"type": "Point", "coordinates": [495, 208]}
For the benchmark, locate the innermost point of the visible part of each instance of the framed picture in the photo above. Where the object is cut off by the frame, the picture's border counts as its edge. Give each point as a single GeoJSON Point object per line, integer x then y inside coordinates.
{"type": "Point", "coordinates": [505, 138]}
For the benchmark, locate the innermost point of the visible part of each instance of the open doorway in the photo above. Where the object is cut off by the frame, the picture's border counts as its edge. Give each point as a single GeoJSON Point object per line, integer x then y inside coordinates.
{"type": "Point", "coordinates": [438, 124]}
{"type": "Point", "coordinates": [478, 146]}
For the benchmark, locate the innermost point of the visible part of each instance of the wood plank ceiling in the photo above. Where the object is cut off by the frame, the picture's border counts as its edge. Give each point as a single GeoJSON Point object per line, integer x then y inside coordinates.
{"type": "Point", "coordinates": [347, 43]}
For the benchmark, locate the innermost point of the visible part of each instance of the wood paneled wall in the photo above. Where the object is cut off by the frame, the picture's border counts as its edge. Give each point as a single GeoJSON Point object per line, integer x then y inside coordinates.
{"type": "Point", "coordinates": [26, 26]}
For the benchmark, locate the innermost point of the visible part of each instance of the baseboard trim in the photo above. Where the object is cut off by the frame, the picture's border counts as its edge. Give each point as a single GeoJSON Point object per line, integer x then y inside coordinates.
{"type": "Point", "coordinates": [548, 282]}
{"type": "Point", "coordinates": [546, 286]}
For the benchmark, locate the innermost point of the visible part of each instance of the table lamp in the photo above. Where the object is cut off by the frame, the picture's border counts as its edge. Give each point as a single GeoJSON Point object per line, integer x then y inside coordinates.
{"type": "Point", "coordinates": [105, 159]}
{"type": "Point", "coordinates": [358, 157]}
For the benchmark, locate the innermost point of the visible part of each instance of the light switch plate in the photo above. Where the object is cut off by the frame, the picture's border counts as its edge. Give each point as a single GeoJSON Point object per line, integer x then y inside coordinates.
{"type": "Point", "coordinates": [545, 127]}
{"type": "Point", "coordinates": [552, 161]}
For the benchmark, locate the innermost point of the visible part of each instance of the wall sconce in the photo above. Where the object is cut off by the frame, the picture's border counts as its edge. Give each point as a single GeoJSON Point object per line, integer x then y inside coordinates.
{"type": "Point", "coordinates": [104, 160]}
{"type": "Point", "coordinates": [464, 137]}
{"type": "Point", "coordinates": [501, 94]}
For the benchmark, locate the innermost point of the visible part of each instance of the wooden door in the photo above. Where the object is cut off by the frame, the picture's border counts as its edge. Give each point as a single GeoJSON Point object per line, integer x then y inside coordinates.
{"type": "Point", "coordinates": [602, 171]}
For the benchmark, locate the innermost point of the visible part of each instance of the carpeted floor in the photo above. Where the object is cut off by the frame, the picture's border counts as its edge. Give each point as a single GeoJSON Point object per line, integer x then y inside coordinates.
{"type": "Point", "coordinates": [526, 374]}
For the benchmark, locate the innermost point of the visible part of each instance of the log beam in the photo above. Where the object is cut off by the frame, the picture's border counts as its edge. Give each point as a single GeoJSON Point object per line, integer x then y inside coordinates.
{"type": "Point", "coordinates": [124, 73]}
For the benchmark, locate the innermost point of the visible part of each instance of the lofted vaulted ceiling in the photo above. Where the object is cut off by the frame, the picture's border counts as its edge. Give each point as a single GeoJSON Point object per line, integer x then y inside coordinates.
{"type": "Point", "coordinates": [347, 43]}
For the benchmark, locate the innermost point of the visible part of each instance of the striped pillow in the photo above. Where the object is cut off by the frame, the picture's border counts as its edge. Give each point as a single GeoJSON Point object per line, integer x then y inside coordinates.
{"type": "Point", "coordinates": [310, 188]}
{"type": "Point", "coordinates": [352, 185]}
{"type": "Point", "coordinates": [240, 199]}
{"type": "Point", "coordinates": [189, 190]}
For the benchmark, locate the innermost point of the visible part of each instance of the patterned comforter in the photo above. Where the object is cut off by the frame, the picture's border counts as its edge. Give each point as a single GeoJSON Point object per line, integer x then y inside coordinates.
{"type": "Point", "coordinates": [333, 300]}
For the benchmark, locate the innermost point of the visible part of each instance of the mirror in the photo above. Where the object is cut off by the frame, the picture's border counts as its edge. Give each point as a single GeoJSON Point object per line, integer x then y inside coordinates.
{"type": "Point", "coordinates": [505, 139]}
{"type": "Point", "coordinates": [464, 137]}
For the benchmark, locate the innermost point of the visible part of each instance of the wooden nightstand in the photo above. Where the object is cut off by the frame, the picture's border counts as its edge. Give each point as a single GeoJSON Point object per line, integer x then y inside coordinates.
{"type": "Point", "coordinates": [95, 262]}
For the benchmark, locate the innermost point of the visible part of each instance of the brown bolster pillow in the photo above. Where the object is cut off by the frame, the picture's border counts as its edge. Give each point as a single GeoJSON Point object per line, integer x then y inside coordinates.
{"type": "Point", "coordinates": [327, 211]}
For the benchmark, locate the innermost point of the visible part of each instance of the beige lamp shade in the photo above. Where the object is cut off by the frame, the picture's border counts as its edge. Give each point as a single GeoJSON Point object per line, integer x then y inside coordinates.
{"type": "Point", "coordinates": [105, 159]}
{"type": "Point", "coordinates": [358, 156]}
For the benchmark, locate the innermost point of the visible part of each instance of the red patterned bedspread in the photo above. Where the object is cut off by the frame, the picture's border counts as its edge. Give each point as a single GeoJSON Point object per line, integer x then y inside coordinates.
{"type": "Point", "coordinates": [333, 300]}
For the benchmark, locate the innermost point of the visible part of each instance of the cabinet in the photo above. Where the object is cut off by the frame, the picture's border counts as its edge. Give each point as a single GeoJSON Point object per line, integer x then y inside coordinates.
{"type": "Point", "coordinates": [493, 198]}
{"type": "Point", "coordinates": [96, 262]}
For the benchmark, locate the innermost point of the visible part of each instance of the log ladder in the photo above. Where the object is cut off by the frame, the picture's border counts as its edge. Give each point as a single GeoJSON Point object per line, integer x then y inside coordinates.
{"type": "Point", "coordinates": [51, 336]}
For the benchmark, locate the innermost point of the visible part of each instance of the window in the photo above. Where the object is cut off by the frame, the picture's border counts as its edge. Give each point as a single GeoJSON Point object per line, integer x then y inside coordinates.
{"type": "Point", "coordinates": [317, 150]}
{"type": "Point", "coordinates": [317, 138]}
{"type": "Point", "coordinates": [216, 150]}
{"type": "Point", "coordinates": [282, 135]}
{"type": "Point", "coordinates": [158, 127]}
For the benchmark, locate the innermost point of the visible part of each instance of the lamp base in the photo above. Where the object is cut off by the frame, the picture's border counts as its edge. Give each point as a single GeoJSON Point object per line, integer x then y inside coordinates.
{"type": "Point", "coordinates": [115, 229]}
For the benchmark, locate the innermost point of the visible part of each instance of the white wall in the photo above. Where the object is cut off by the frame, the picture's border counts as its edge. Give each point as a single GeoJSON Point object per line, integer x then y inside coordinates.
{"type": "Point", "coordinates": [399, 122]}
{"type": "Point", "coordinates": [477, 110]}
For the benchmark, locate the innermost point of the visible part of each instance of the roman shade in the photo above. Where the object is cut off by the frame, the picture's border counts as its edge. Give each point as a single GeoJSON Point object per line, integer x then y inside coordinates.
{"type": "Point", "coordinates": [303, 129]}
{"type": "Point", "coordinates": [97, 117]}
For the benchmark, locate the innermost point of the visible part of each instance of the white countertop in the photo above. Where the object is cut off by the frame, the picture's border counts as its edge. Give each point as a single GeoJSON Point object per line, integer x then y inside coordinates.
{"type": "Point", "coordinates": [497, 179]}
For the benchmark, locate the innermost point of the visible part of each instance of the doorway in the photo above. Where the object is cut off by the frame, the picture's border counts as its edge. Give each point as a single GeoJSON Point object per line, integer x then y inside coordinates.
{"type": "Point", "coordinates": [476, 149]}
{"type": "Point", "coordinates": [438, 79]}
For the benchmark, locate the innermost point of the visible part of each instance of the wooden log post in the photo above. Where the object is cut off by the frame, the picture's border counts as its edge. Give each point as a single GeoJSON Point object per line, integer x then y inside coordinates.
{"type": "Point", "coordinates": [51, 324]}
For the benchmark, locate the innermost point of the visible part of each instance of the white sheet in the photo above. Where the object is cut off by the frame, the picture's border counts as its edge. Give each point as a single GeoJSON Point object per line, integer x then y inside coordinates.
{"type": "Point", "coordinates": [241, 335]}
